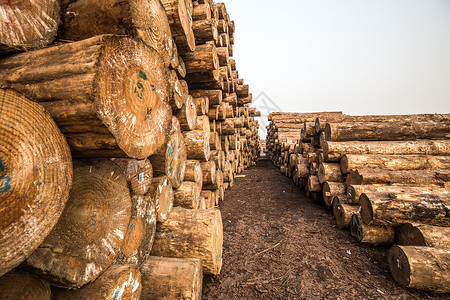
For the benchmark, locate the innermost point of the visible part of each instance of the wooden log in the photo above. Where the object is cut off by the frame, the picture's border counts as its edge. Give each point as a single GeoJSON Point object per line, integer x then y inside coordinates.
{"type": "Point", "coordinates": [201, 12]}
{"type": "Point", "coordinates": [107, 94]}
{"type": "Point", "coordinates": [174, 62]}
{"type": "Point", "coordinates": [374, 131]}
{"type": "Point", "coordinates": [209, 172]}
{"type": "Point", "coordinates": [330, 190]}
{"type": "Point", "coordinates": [187, 195]}
{"type": "Point", "coordinates": [177, 93]}
{"type": "Point", "coordinates": [355, 191]}
{"type": "Point", "coordinates": [396, 209]}
{"type": "Point", "coordinates": [300, 117]}
{"type": "Point", "coordinates": [202, 203]}
{"type": "Point", "coordinates": [170, 159]}
{"type": "Point", "coordinates": [181, 69]}
{"type": "Point", "coordinates": [373, 235]}
{"type": "Point", "coordinates": [210, 198]}
{"type": "Point", "coordinates": [18, 284]}
{"type": "Point", "coordinates": [194, 172]}
{"type": "Point", "coordinates": [35, 177]}
{"type": "Point", "coordinates": [203, 77]}
{"type": "Point", "coordinates": [430, 147]}
{"type": "Point", "coordinates": [205, 31]}
{"type": "Point", "coordinates": [394, 162]}
{"type": "Point", "coordinates": [227, 127]}
{"type": "Point", "coordinates": [28, 26]}
{"type": "Point", "coordinates": [314, 184]}
{"type": "Point", "coordinates": [161, 194]}
{"type": "Point", "coordinates": [203, 125]}
{"type": "Point", "coordinates": [180, 24]}
{"type": "Point", "coordinates": [194, 234]}
{"type": "Point", "coordinates": [171, 278]}
{"type": "Point", "coordinates": [343, 212]}
{"type": "Point", "coordinates": [200, 103]}
{"type": "Point", "coordinates": [423, 235]}
{"type": "Point", "coordinates": [140, 232]}
{"type": "Point", "coordinates": [422, 268]}
{"type": "Point", "coordinates": [197, 145]}
{"type": "Point", "coordinates": [145, 20]}
{"type": "Point", "coordinates": [117, 282]}
{"type": "Point", "coordinates": [91, 229]}
{"type": "Point", "coordinates": [187, 114]}
{"type": "Point", "coordinates": [215, 96]}
{"type": "Point", "coordinates": [329, 172]}
{"type": "Point", "coordinates": [223, 55]}
{"type": "Point", "coordinates": [203, 59]}
{"type": "Point", "coordinates": [139, 173]}
{"type": "Point", "coordinates": [410, 177]}
{"type": "Point", "coordinates": [215, 142]}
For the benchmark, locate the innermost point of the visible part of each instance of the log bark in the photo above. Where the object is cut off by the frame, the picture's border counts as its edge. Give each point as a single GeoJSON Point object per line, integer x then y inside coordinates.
{"type": "Point", "coordinates": [203, 125]}
{"type": "Point", "coordinates": [161, 194]}
{"type": "Point", "coordinates": [194, 172]}
{"type": "Point", "coordinates": [373, 235]}
{"type": "Point", "coordinates": [330, 190]}
{"type": "Point", "coordinates": [343, 212]}
{"type": "Point", "coordinates": [422, 268]}
{"type": "Point", "coordinates": [394, 162]}
{"type": "Point", "coordinates": [117, 282]}
{"type": "Point", "coordinates": [330, 172]}
{"type": "Point", "coordinates": [396, 209]}
{"type": "Point", "coordinates": [423, 235]}
{"type": "Point", "coordinates": [139, 173]}
{"type": "Point", "coordinates": [91, 229]}
{"type": "Point", "coordinates": [145, 20]}
{"type": "Point", "coordinates": [187, 195]}
{"type": "Point", "coordinates": [203, 59]}
{"type": "Point", "coordinates": [313, 184]}
{"type": "Point", "coordinates": [187, 114]}
{"type": "Point", "coordinates": [177, 93]}
{"type": "Point", "coordinates": [180, 24]}
{"type": "Point", "coordinates": [35, 177]}
{"type": "Point", "coordinates": [205, 31]}
{"type": "Point", "coordinates": [201, 103]}
{"type": "Point", "coordinates": [140, 233]}
{"type": "Point", "coordinates": [209, 172]}
{"type": "Point", "coordinates": [201, 12]}
{"type": "Point", "coordinates": [300, 117]}
{"type": "Point", "coordinates": [215, 96]}
{"type": "Point", "coordinates": [197, 145]}
{"type": "Point", "coordinates": [171, 278]}
{"type": "Point", "coordinates": [194, 234]}
{"type": "Point", "coordinates": [28, 25]}
{"type": "Point", "coordinates": [18, 284]}
{"type": "Point", "coordinates": [107, 94]}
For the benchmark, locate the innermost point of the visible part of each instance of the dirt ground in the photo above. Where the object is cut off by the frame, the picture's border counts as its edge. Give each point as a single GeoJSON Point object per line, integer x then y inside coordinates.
{"type": "Point", "coordinates": [278, 244]}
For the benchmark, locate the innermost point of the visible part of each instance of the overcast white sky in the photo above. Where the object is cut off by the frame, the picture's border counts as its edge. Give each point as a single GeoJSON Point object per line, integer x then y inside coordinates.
{"type": "Point", "coordinates": [358, 56]}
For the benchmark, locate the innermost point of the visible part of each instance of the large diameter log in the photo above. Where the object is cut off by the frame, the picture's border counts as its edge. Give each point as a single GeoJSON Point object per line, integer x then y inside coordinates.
{"type": "Point", "coordinates": [26, 286]}
{"type": "Point", "coordinates": [424, 268]}
{"type": "Point", "coordinates": [330, 190]}
{"type": "Point", "coordinates": [396, 209]}
{"type": "Point", "coordinates": [394, 162]}
{"type": "Point", "coordinates": [28, 25]}
{"type": "Point", "coordinates": [343, 212]}
{"type": "Point", "coordinates": [107, 94]}
{"type": "Point", "coordinates": [374, 131]}
{"type": "Point", "coordinates": [203, 59]}
{"type": "Point", "coordinates": [329, 172]}
{"type": "Point", "coordinates": [91, 229]}
{"type": "Point", "coordinates": [161, 194]}
{"type": "Point", "coordinates": [194, 172]}
{"type": "Point", "coordinates": [423, 235]}
{"type": "Point", "coordinates": [117, 282]}
{"type": "Point", "coordinates": [355, 191]}
{"type": "Point", "coordinates": [188, 114]}
{"type": "Point", "coordinates": [409, 177]}
{"type": "Point", "coordinates": [187, 195]}
{"type": "Point", "coordinates": [140, 233]}
{"type": "Point", "coordinates": [194, 234]}
{"type": "Point", "coordinates": [180, 24]}
{"type": "Point", "coordinates": [430, 147]}
{"type": "Point", "coordinates": [373, 235]}
{"type": "Point", "coordinates": [170, 159]}
{"type": "Point", "coordinates": [139, 173]}
{"type": "Point", "coordinates": [35, 177]}
{"type": "Point", "coordinates": [197, 145]}
{"type": "Point", "coordinates": [146, 20]}
{"type": "Point", "coordinates": [171, 278]}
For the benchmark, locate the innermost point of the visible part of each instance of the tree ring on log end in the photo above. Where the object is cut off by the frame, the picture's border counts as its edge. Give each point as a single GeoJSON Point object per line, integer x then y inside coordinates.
{"type": "Point", "coordinates": [399, 265]}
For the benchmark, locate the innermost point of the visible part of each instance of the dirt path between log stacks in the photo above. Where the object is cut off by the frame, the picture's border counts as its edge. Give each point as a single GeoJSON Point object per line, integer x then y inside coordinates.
{"type": "Point", "coordinates": [280, 245]}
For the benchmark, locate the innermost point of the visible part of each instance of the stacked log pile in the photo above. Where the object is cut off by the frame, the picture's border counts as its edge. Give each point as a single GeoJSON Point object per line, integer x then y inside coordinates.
{"type": "Point", "coordinates": [387, 178]}
{"type": "Point", "coordinates": [117, 141]}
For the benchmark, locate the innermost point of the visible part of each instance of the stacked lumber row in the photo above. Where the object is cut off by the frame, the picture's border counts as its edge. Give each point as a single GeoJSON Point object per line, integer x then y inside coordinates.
{"type": "Point", "coordinates": [107, 182]}
{"type": "Point", "coordinates": [385, 177]}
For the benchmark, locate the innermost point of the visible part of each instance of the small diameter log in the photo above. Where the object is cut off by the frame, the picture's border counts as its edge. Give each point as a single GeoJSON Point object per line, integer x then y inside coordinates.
{"type": "Point", "coordinates": [330, 172]}
{"type": "Point", "coordinates": [394, 162]}
{"type": "Point", "coordinates": [201, 12]}
{"type": "Point", "coordinates": [422, 268]}
{"type": "Point", "coordinates": [314, 184]}
{"type": "Point", "coordinates": [145, 20]}
{"type": "Point", "coordinates": [35, 177]}
{"type": "Point", "coordinates": [203, 59]}
{"type": "Point", "coordinates": [355, 191]}
{"type": "Point", "coordinates": [180, 24]}
{"type": "Point", "coordinates": [423, 235]}
{"type": "Point", "coordinates": [200, 104]}
{"type": "Point", "coordinates": [139, 173]}
{"type": "Point", "coordinates": [203, 125]}
{"type": "Point", "coordinates": [217, 156]}
{"type": "Point", "coordinates": [91, 229]}
{"type": "Point", "coordinates": [395, 209]}
{"type": "Point", "coordinates": [181, 69]}
{"type": "Point", "coordinates": [140, 234]}
{"type": "Point", "coordinates": [170, 159]}
{"type": "Point", "coordinates": [194, 234]}
{"type": "Point", "coordinates": [209, 172]}
{"type": "Point", "coordinates": [194, 172]}
{"type": "Point", "coordinates": [205, 31]}
{"type": "Point", "coordinates": [210, 198]}
{"type": "Point", "coordinates": [187, 114]}
{"type": "Point", "coordinates": [410, 177]}
{"type": "Point", "coordinates": [171, 278]}
{"type": "Point", "coordinates": [343, 212]}
{"type": "Point", "coordinates": [215, 96]}
{"type": "Point", "coordinates": [18, 284]}
{"type": "Point", "coordinates": [161, 194]}
{"type": "Point", "coordinates": [214, 142]}
{"type": "Point", "coordinates": [202, 203]}
{"type": "Point", "coordinates": [108, 94]}
{"type": "Point", "coordinates": [197, 145]}
{"type": "Point", "coordinates": [28, 26]}
{"type": "Point", "coordinates": [177, 92]}
{"type": "Point", "coordinates": [373, 235]}
{"type": "Point", "coordinates": [187, 195]}
{"type": "Point", "coordinates": [117, 282]}
{"type": "Point", "coordinates": [330, 190]}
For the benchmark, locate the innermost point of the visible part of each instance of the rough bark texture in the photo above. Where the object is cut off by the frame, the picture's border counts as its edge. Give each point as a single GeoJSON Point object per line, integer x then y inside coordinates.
{"type": "Point", "coordinates": [25, 286]}
{"type": "Point", "coordinates": [161, 194]}
{"type": "Point", "coordinates": [343, 212]}
{"type": "Point", "coordinates": [35, 177]}
{"type": "Point", "coordinates": [187, 195]}
{"type": "Point", "coordinates": [373, 235]}
{"type": "Point", "coordinates": [194, 172]}
{"type": "Point", "coordinates": [203, 59]}
{"type": "Point", "coordinates": [180, 24]}
{"type": "Point", "coordinates": [331, 189]}
{"type": "Point", "coordinates": [197, 145]}
{"type": "Point", "coordinates": [330, 172]}
{"type": "Point", "coordinates": [188, 114]}
{"type": "Point", "coordinates": [423, 235]}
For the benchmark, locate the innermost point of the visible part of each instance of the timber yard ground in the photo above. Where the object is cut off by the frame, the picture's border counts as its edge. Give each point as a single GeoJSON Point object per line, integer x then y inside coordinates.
{"type": "Point", "coordinates": [278, 244]}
